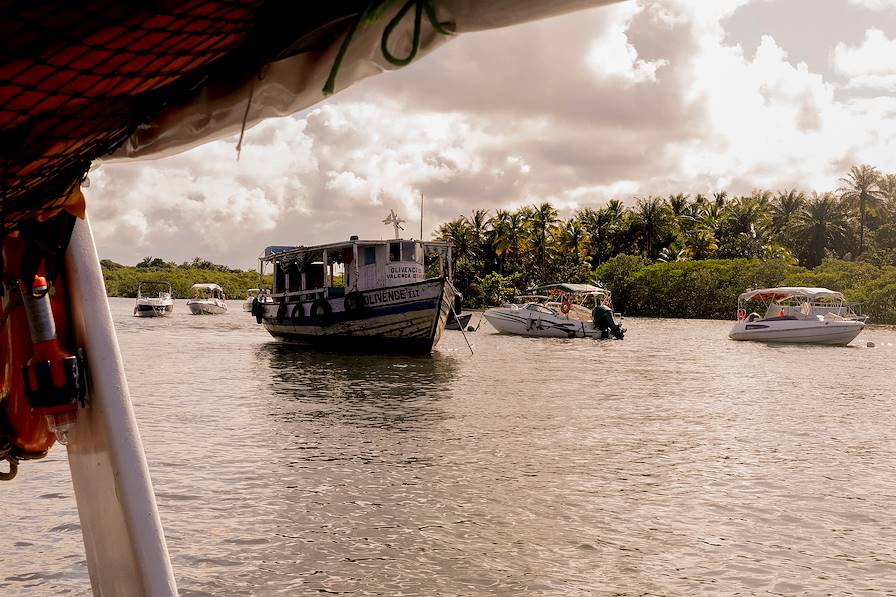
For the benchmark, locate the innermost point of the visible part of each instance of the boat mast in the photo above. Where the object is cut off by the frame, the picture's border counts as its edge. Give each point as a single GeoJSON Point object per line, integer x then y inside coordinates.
{"type": "Point", "coordinates": [421, 215]}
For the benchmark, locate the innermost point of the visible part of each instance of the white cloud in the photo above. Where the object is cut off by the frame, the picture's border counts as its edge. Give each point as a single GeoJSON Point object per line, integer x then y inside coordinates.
{"type": "Point", "coordinates": [613, 56]}
{"type": "Point", "coordinates": [877, 5]}
{"type": "Point", "coordinates": [871, 65]}
{"type": "Point", "coordinates": [635, 99]}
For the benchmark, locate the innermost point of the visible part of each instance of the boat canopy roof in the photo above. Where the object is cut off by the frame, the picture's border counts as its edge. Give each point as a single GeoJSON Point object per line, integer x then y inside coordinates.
{"type": "Point", "coordinates": [206, 287]}
{"type": "Point", "coordinates": [280, 251]}
{"type": "Point", "coordinates": [786, 292]}
{"type": "Point", "coordinates": [567, 288]}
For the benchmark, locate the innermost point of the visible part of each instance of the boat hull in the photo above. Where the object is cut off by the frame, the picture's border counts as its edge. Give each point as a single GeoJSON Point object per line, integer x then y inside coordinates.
{"type": "Point", "coordinates": [157, 309]}
{"type": "Point", "coordinates": [831, 333]}
{"type": "Point", "coordinates": [407, 319]}
{"type": "Point", "coordinates": [210, 307]}
{"type": "Point", "coordinates": [523, 322]}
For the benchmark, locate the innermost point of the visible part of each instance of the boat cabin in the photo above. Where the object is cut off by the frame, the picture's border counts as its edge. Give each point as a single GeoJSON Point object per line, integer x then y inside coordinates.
{"type": "Point", "coordinates": [331, 270]}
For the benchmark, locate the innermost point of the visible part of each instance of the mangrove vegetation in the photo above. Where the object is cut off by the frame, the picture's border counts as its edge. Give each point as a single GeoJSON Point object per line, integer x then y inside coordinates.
{"type": "Point", "coordinates": [122, 280]}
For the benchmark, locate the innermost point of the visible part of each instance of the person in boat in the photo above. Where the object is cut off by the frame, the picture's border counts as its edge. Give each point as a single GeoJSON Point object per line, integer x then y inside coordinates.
{"type": "Point", "coordinates": [602, 318]}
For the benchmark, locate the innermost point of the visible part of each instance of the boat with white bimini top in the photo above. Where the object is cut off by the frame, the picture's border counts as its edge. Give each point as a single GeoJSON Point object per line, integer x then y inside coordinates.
{"type": "Point", "coordinates": [797, 315]}
{"type": "Point", "coordinates": [262, 293]}
{"type": "Point", "coordinates": [207, 299]}
{"type": "Point", "coordinates": [558, 311]}
{"type": "Point", "coordinates": [359, 295]}
{"type": "Point", "coordinates": [153, 299]}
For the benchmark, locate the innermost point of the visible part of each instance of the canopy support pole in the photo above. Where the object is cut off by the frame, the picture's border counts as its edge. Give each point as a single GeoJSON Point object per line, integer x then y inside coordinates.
{"type": "Point", "coordinates": [123, 538]}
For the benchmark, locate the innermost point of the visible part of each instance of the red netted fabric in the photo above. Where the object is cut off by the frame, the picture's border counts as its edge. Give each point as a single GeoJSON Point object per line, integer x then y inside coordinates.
{"type": "Point", "coordinates": [76, 79]}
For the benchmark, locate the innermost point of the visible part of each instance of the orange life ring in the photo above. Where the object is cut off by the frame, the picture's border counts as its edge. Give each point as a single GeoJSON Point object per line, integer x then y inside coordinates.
{"type": "Point", "coordinates": [565, 306]}
{"type": "Point", "coordinates": [741, 314]}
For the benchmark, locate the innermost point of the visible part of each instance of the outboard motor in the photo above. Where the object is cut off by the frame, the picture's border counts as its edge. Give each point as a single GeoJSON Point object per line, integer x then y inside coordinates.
{"type": "Point", "coordinates": [603, 320]}
{"type": "Point", "coordinates": [458, 302]}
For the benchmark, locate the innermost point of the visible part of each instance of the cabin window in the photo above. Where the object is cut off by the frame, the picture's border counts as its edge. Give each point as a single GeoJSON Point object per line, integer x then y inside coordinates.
{"type": "Point", "coordinates": [409, 251]}
{"type": "Point", "coordinates": [394, 251]}
{"type": "Point", "coordinates": [369, 255]}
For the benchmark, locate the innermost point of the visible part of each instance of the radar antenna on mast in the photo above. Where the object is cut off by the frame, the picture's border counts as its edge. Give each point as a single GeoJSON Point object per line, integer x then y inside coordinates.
{"type": "Point", "coordinates": [395, 221]}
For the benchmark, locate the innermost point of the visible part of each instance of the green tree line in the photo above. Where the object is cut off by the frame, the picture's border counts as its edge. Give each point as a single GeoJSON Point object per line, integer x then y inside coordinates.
{"type": "Point", "coordinates": [496, 255]}
{"type": "Point", "coordinates": [122, 280]}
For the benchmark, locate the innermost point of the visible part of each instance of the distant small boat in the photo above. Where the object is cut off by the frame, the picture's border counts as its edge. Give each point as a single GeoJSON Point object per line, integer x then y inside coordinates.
{"type": "Point", "coordinates": [154, 299]}
{"type": "Point", "coordinates": [559, 311]}
{"type": "Point", "coordinates": [797, 315]}
{"type": "Point", "coordinates": [207, 299]}
{"type": "Point", "coordinates": [251, 295]}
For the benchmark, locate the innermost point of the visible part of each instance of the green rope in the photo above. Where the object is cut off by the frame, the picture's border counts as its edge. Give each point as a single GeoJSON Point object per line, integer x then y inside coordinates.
{"type": "Point", "coordinates": [374, 11]}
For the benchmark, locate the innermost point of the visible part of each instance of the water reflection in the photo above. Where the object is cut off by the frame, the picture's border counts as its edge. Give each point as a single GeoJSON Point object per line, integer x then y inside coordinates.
{"type": "Point", "coordinates": [394, 392]}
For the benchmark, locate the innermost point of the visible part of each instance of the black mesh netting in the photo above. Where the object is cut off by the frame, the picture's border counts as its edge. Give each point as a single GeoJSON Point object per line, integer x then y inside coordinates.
{"type": "Point", "coordinates": [76, 79]}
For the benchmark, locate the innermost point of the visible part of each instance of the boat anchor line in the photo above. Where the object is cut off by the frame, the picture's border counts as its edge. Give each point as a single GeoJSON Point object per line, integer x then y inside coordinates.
{"type": "Point", "coordinates": [451, 308]}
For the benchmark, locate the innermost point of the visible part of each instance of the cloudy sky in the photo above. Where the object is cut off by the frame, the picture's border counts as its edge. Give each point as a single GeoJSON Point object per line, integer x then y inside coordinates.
{"type": "Point", "coordinates": [642, 97]}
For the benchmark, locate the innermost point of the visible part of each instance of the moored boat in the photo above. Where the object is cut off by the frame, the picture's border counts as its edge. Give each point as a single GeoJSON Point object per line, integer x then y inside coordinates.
{"type": "Point", "coordinates": [359, 295]}
{"type": "Point", "coordinates": [251, 294]}
{"type": "Point", "coordinates": [558, 311]}
{"type": "Point", "coordinates": [207, 299]}
{"type": "Point", "coordinates": [797, 315]}
{"type": "Point", "coordinates": [154, 299]}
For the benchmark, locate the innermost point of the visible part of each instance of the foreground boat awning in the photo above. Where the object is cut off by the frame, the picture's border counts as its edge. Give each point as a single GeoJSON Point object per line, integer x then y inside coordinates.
{"type": "Point", "coordinates": [567, 288]}
{"type": "Point", "coordinates": [785, 292]}
{"type": "Point", "coordinates": [83, 81]}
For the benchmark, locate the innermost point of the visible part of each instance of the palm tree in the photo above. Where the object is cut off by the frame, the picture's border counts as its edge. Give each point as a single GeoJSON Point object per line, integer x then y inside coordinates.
{"type": "Point", "coordinates": [820, 226]}
{"type": "Point", "coordinates": [785, 207]}
{"type": "Point", "coordinates": [887, 185]}
{"type": "Point", "coordinates": [762, 196]}
{"type": "Point", "coordinates": [700, 244]}
{"type": "Point", "coordinates": [543, 221]}
{"type": "Point", "coordinates": [678, 204]}
{"type": "Point", "coordinates": [575, 247]}
{"type": "Point", "coordinates": [459, 234]}
{"type": "Point", "coordinates": [860, 188]}
{"type": "Point", "coordinates": [652, 215]}
{"type": "Point", "coordinates": [745, 215]}
{"type": "Point", "coordinates": [478, 224]}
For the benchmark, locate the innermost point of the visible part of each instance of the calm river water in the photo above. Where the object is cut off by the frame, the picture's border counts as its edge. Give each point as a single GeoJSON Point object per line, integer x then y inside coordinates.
{"type": "Point", "coordinates": [675, 461]}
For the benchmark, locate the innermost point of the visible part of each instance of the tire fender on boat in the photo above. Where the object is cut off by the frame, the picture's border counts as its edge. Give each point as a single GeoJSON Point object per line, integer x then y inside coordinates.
{"type": "Point", "coordinates": [298, 312]}
{"type": "Point", "coordinates": [320, 311]}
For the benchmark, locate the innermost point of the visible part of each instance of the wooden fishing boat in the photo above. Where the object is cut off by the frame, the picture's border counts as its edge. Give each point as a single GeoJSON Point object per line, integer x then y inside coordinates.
{"type": "Point", "coordinates": [359, 295]}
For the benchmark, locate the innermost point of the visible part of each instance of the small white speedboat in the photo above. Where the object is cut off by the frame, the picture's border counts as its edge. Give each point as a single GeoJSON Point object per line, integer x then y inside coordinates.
{"type": "Point", "coordinates": [558, 311]}
{"type": "Point", "coordinates": [797, 315]}
{"type": "Point", "coordinates": [154, 299]}
{"type": "Point", "coordinates": [207, 299]}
